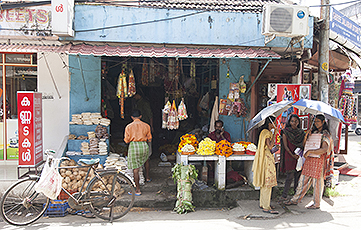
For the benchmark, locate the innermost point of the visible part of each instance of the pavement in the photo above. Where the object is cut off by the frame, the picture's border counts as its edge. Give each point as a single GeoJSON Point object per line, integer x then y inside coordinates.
{"type": "Point", "coordinates": [342, 211]}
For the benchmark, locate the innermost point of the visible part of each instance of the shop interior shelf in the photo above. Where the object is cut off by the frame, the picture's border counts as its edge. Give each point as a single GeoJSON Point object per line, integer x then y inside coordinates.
{"type": "Point", "coordinates": [83, 129]}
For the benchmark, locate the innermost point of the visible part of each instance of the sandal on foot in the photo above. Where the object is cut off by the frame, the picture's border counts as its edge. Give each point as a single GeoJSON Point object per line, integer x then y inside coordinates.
{"type": "Point", "coordinates": [270, 211]}
{"type": "Point", "coordinates": [290, 203]}
{"type": "Point", "coordinates": [312, 207]}
{"type": "Point", "coordinates": [272, 207]}
{"type": "Point", "coordinates": [148, 180]}
{"type": "Point", "coordinates": [136, 194]}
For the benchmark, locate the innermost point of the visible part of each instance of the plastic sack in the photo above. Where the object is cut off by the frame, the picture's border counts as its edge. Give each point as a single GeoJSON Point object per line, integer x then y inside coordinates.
{"type": "Point", "coordinates": [204, 103]}
{"type": "Point", "coordinates": [50, 180]}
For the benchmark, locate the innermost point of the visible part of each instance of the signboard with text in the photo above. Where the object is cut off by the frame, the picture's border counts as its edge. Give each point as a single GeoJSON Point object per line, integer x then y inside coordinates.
{"type": "Point", "coordinates": [30, 128]}
{"type": "Point", "coordinates": [345, 27]}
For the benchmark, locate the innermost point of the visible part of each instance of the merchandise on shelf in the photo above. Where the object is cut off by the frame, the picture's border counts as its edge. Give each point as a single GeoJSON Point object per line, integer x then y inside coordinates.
{"type": "Point", "coordinates": [88, 118]}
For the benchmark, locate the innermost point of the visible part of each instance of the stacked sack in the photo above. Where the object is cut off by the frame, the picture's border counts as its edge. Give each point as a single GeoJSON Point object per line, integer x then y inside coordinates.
{"type": "Point", "coordinates": [86, 118]}
{"type": "Point", "coordinates": [114, 161]}
{"type": "Point", "coordinates": [103, 148]}
{"type": "Point", "coordinates": [93, 146]}
{"type": "Point", "coordinates": [101, 132]}
{"type": "Point", "coordinates": [104, 121]}
{"type": "Point", "coordinates": [85, 148]}
{"type": "Point", "coordinates": [95, 118]}
{"type": "Point", "coordinates": [76, 119]}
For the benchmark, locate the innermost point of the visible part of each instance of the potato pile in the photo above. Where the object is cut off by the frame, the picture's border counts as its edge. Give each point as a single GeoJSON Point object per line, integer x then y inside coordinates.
{"type": "Point", "coordinates": [73, 178]}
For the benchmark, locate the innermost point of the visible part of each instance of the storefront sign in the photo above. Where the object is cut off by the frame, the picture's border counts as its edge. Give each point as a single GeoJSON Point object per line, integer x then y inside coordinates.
{"type": "Point", "coordinates": [293, 92]}
{"type": "Point", "coordinates": [345, 27]}
{"type": "Point", "coordinates": [62, 17]}
{"type": "Point", "coordinates": [30, 128]}
{"type": "Point", "coordinates": [33, 21]}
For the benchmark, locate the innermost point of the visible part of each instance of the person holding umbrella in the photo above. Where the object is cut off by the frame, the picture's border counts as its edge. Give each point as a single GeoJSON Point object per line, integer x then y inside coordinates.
{"type": "Point", "coordinates": [264, 170]}
{"type": "Point", "coordinates": [315, 169]}
{"type": "Point", "coordinates": [292, 138]}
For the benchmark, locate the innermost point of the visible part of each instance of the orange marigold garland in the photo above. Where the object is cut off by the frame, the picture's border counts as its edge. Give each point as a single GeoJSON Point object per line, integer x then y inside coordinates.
{"type": "Point", "coordinates": [188, 139]}
{"type": "Point", "coordinates": [224, 148]}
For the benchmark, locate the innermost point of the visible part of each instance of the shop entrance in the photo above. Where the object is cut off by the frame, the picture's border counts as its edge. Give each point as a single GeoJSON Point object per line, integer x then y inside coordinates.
{"type": "Point", "coordinates": [159, 80]}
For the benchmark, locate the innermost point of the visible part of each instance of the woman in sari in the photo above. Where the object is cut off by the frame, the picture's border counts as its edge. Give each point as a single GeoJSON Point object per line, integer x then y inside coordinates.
{"type": "Point", "coordinates": [315, 169]}
{"type": "Point", "coordinates": [292, 138]}
{"type": "Point", "coordinates": [264, 170]}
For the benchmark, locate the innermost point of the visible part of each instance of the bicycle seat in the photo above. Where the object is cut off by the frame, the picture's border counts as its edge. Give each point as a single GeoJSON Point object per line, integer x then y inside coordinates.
{"type": "Point", "coordinates": [89, 162]}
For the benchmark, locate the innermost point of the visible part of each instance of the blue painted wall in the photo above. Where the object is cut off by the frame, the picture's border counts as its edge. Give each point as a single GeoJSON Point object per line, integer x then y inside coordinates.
{"type": "Point", "coordinates": [238, 67]}
{"type": "Point", "coordinates": [207, 28]}
{"type": "Point", "coordinates": [81, 101]}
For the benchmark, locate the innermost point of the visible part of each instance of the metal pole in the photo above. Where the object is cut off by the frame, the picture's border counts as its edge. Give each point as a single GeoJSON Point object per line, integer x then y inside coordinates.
{"type": "Point", "coordinates": [323, 54]}
{"type": "Point", "coordinates": [5, 140]}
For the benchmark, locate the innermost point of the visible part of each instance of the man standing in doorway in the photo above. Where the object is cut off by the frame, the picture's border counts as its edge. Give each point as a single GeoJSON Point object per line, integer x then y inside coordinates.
{"type": "Point", "coordinates": [147, 116]}
{"type": "Point", "coordinates": [138, 135]}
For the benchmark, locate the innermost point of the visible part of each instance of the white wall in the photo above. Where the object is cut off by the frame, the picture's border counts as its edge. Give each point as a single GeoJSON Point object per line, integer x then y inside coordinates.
{"type": "Point", "coordinates": [56, 110]}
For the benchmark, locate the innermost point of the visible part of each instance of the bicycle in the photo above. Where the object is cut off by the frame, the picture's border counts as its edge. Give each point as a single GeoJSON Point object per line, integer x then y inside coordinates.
{"type": "Point", "coordinates": [109, 195]}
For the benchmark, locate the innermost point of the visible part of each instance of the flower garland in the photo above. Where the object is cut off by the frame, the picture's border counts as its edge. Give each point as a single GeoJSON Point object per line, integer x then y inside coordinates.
{"type": "Point", "coordinates": [188, 139]}
{"type": "Point", "coordinates": [224, 148]}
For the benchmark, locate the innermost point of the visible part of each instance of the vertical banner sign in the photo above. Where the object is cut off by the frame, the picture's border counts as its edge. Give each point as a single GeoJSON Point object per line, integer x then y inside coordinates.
{"type": "Point", "coordinates": [30, 128]}
{"type": "Point", "coordinates": [62, 17]}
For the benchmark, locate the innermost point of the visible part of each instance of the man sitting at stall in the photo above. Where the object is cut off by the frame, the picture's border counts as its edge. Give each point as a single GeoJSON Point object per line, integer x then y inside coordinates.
{"type": "Point", "coordinates": [219, 134]}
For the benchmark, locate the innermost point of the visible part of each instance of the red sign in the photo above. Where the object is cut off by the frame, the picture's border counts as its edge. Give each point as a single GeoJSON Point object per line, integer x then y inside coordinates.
{"type": "Point", "coordinates": [293, 92]}
{"type": "Point", "coordinates": [30, 128]}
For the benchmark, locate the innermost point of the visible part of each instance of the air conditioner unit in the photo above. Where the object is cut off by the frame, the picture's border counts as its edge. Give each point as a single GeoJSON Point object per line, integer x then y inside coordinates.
{"type": "Point", "coordinates": [285, 20]}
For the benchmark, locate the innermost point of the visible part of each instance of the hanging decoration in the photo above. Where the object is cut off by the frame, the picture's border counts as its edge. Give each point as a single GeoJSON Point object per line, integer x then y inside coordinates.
{"type": "Point", "coordinates": [242, 85]}
{"type": "Point", "coordinates": [152, 71]}
{"type": "Point", "coordinates": [165, 112]}
{"type": "Point", "coordinates": [192, 73]}
{"type": "Point", "coordinates": [182, 111]}
{"type": "Point", "coordinates": [131, 85]}
{"type": "Point", "coordinates": [145, 73]}
{"type": "Point", "coordinates": [121, 92]}
{"type": "Point", "coordinates": [347, 102]}
{"type": "Point", "coordinates": [173, 122]}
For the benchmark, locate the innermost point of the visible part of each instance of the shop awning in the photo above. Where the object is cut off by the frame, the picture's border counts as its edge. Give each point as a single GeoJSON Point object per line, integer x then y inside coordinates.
{"type": "Point", "coordinates": [143, 51]}
{"type": "Point", "coordinates": [183, 52]}
{"type": "Point", "coordinates": [33, 48]}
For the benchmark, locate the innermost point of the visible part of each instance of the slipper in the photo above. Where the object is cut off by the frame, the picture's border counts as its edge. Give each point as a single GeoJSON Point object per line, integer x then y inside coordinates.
{"type": "Point", "coordinates": [272, 207]}
{"type": "Point", "coordinates": [271, 211]}
{"type": "Point", "coordinates": [148, 180]}
{"type": "Point", "coordinates": [312, 207]}
{"type": "Point", "coordinates": [136, 194]}
{"type": "Point", "coordinates": [290, 203]}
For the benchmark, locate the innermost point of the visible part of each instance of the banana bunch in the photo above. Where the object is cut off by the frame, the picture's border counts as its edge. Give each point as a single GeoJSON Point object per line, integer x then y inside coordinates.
{"type": "Point", "coordinates": [206, 147]}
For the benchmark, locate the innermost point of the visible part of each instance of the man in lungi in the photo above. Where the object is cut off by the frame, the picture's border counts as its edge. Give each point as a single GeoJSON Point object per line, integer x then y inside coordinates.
{"type": "Point", "coordinates": [137, 134]}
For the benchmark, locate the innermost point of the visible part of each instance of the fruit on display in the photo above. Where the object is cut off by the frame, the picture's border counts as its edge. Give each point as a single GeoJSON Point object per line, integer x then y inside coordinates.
{"type": "Point", "coordinates": [206, 147]}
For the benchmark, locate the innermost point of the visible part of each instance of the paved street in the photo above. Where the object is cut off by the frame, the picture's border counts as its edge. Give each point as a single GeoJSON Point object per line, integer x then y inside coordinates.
{"type": "Point", "coordinates": [341, 212]}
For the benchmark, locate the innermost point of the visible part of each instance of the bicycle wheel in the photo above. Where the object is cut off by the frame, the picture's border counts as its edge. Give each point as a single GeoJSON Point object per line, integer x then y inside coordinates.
{"type": "Point", "coordinates": [110, 200]}
{"type": "Point", "coordinates": [21, 204]}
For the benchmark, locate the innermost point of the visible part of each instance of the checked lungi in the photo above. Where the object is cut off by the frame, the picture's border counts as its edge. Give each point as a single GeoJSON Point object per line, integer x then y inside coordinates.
{"type": "Point", "coordinates": [138, 153]}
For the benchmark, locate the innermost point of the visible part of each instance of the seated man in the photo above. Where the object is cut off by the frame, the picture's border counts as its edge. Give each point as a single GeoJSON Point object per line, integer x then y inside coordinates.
{"type": "Point", "coordinates": [219, 134]}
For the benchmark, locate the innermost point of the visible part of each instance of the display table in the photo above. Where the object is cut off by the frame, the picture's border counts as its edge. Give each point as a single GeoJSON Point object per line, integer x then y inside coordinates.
{"type": "Point", "coordinates": [220, 165]}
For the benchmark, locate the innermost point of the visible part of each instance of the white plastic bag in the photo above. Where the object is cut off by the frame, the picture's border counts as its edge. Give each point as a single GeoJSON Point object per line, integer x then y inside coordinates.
{"type": "Point", "coordinates": [50, 180]}
{"type": "Point", "coordinates": [300, 162]}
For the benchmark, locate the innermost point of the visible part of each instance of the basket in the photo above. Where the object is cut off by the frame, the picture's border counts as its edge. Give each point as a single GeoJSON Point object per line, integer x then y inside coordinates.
{"type": "Point", "coordinates": [239, 152]}
{"type": "Point", "coordinates": [57, 208]}
{"type": "Point", "coordinates": [188, 153]}
{"type": "Point", "coordinates": [248, 152]}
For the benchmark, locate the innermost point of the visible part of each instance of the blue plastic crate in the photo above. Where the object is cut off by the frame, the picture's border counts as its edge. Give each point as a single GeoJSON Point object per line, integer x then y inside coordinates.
{"type": "Point", "coordinates": [57, 209]}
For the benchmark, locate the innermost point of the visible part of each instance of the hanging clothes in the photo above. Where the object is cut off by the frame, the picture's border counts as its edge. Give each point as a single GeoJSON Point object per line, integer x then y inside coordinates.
{"type": "Point", "coordinates": [214, 115]}
{"type": "Point", "coordinates": [131, 85]}
{"type": "Point", "coordinates": [182, 111]}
